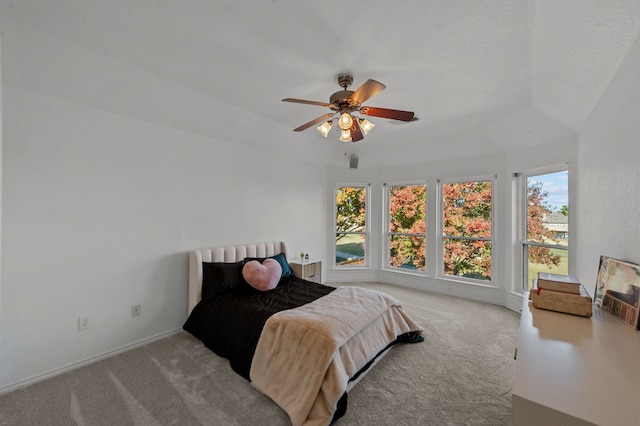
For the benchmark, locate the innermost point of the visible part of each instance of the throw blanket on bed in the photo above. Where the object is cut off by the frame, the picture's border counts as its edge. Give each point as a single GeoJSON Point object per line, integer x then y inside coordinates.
{"type": "Point", "coordinates": [305, 356]}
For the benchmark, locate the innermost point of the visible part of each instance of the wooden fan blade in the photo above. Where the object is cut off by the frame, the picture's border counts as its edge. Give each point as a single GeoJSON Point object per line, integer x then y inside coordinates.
{"type": "Point", "coordinates": [302, 101]}
{"type": "Point", "coordinates": [393, 114]}
{"type": "Point", "coordinates": [356, 131]}
{"type": "Point", "coordinates": [369, 89]}
{"type": "Point", "coordinates": [312, 122]}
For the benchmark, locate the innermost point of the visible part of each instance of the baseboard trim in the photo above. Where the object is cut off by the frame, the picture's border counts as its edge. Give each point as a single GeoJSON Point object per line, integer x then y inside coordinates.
{"type": "Point", "coordinates": [75, 365]}
{"type": "Point", "coordinates": [513, 301]}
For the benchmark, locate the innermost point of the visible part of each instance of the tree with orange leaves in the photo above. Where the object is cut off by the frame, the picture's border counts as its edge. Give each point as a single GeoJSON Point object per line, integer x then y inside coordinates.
{"type": "Point", "coordinates": [407, 215]}
{"type": "Point", "coordinates": [537, 209]}
{"type": "Point", "coordinates": [467, 229]}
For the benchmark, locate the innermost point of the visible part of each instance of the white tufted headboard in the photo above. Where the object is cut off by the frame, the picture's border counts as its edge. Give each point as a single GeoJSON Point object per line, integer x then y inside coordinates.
{"type": "Point", "coordinates": [225, 254]}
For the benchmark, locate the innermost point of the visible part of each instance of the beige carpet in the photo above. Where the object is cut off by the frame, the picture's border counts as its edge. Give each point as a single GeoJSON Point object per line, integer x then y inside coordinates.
{"type": "Point", "coordinates": [460, 375]}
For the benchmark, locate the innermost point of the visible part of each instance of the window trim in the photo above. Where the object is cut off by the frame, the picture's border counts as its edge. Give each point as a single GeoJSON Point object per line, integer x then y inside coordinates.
{"type": "Point", "coordinates": [521, 251]}
{"type": "Point", "coordinates": [367, 230]}
{"type": "Point", "coordinates": [441, 236]}
{"type": "Point", "coordinates": [386, 223]}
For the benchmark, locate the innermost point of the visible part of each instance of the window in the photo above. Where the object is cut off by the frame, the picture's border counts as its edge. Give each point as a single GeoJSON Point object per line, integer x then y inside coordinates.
{"type": "Point", "coordinates": [406, 231]}
{"type": "Point", "coordinates": [546, 228]}
{"type": "Point", "coordinates": [351, 225]}
{"type": "Point", "coordinates": [467, 212]}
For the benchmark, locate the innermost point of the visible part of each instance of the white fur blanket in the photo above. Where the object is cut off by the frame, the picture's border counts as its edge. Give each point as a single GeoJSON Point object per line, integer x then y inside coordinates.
{"type": "Point", "coordinates": [305, 356]}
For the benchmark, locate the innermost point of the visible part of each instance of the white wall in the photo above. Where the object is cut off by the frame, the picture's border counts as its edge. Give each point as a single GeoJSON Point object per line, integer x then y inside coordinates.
{"type": "Point", "coordinates": [100, 208]}
{"type": "Point", "coordinates": [1, 173]}
{"type": "Point", "coordinates": [609, 174]}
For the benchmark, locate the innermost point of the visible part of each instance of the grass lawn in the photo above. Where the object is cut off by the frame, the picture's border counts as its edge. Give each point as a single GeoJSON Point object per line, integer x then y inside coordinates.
{"type": "Point", "coordinates": [562, 268]}
{"type": "Point", "coordinates": [349, 245]}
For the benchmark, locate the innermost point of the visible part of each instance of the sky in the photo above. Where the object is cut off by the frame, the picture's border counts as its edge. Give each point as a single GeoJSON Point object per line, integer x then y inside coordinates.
{"type": "Point", "coordinates": [557, 185]}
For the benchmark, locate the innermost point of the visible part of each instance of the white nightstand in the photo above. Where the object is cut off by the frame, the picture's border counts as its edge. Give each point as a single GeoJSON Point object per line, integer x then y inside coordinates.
{"type": "Point", "coordinates": [307, 269]}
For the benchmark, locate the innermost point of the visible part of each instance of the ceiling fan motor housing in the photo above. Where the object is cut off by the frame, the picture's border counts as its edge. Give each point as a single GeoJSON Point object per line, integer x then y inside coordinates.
{"type": "Point", "coordinates": [341, 99]}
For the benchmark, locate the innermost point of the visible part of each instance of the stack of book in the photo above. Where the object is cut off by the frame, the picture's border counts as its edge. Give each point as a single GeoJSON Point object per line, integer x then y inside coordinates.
{"type": "Point", "coordinates": [561, 293]}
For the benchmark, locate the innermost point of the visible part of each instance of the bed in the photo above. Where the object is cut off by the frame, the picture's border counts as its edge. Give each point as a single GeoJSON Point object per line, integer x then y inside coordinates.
{"type": "Point", "coordinates": [302, 344]}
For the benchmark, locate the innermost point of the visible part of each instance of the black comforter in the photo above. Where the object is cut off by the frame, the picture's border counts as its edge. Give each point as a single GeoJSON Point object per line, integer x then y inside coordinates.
{"type": "Point", "coordinates": [230, 324]}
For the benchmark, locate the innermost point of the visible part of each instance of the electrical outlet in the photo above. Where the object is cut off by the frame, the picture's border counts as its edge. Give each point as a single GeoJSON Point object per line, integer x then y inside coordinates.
{"type": "Point", "coordinates": [135, 311]}
{"type": "Point", "coordinates": [83, 323]}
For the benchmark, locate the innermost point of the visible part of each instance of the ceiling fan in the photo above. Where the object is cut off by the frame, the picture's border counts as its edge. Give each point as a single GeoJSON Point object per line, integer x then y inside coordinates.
{"type": "Point", "coordinates": [347, 106]}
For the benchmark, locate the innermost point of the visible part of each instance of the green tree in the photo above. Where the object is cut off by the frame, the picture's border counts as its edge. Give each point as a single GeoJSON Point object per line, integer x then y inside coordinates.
{"type": "Point", "coordinates": [564, 210]}
{"type": "Point", "coordinates": [350, 210]}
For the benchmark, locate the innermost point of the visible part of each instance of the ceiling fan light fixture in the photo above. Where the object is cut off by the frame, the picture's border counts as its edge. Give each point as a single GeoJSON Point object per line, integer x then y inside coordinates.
{"type": "Point", "coordinates": [366, 126]}
{"type": "Point", "coordinates": [344, 104]}
{"type": "Point", "coordinates": [325, 127]}
{"type": "Point", "coordinates": [345, 122]}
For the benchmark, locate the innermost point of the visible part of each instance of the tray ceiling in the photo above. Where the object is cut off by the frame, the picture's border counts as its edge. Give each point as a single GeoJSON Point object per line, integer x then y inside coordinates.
{"type": "Point", "coordinates": [507, 74]}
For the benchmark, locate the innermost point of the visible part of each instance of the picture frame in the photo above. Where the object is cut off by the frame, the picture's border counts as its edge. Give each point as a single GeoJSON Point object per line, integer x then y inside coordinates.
{"type": "Point", "coordinates": [618, 290]}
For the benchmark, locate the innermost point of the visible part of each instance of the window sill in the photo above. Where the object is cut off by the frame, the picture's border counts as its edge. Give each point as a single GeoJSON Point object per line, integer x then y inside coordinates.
{"type": "Point", "coordinates": [477, 283]}
{"type": "Point", "coordinates": [410, 272]}
{"type": "Point", "coordinates": [351, 268]}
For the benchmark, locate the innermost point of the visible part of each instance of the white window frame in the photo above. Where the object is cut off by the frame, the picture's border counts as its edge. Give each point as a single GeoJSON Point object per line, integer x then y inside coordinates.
{"type": "Point", "coordinates": [522, 251]}
{"type": "Point", "coordinates": [386, 234]}
{"type": "Point", "coordinates": [441, 236]}
{"type": "Point", "coordinates": [366, 232]}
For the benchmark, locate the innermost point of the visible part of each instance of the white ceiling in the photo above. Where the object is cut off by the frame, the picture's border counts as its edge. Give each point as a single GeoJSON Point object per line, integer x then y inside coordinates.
{"type": "Point", "coordinates": [483, 76]}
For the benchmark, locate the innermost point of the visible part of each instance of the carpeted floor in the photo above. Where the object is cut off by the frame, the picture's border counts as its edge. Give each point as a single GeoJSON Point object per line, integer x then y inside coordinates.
{"type": "Point", "coordinates": [460, 375]}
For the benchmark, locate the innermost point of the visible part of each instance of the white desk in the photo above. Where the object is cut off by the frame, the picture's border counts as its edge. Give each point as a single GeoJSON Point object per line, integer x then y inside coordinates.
{"type": "Point", "coordinates": [573, 370]}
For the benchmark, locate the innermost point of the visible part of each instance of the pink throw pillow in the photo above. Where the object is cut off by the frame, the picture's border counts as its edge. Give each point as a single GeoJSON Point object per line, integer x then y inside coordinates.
{"type": "Point", "coordinates": [262, 276]}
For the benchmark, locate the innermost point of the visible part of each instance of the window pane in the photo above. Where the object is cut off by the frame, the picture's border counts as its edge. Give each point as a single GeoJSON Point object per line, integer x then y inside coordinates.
{"type": "Point", "coordinates": [534, 265]}
{"type": "Point", "coordinates": [351, 209]}
{"type": "Point", "coordinates": [407, 252]}
{"type": "Point", "coordinates": [350, 249]}
{"type": "Point", "coordinates": [467, 209]}
{"type": "Point", "coordinates": [407, 209]}
{"type": "Point", "coordinates": [351, 225]}
{"type": "Point", "coordinates": [467, 258]}
{"type": "Point", "coordinates": [548, 208]}
{"type": "Point", "coordinates": [407, 226]}
{"type": "Point", "coordinates": [467, 214]}
{"type": "Point", "coordinates": [547, 223]}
